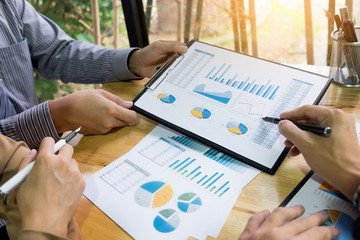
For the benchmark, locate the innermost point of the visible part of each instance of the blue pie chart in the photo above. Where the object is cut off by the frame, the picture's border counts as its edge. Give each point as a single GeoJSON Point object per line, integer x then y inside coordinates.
{"type": "Point", "coordinates": [166, 98]}
{"type": "Point", "coordinates": [236, 128]}
{"type": "Point", "coordinates": [166, 221]}
{"type": "Point", "coordinates": [200, 112]}
{"type": "Point", "coordinates": [189, 202]}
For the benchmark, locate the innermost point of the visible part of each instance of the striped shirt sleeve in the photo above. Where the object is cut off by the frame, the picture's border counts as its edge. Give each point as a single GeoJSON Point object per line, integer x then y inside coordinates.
{"type": "Point", "coordinates": [356, 200]}
{"type": "Point", "coordinates": [57, 56]}
{"type": "Point", "coordinates": [30, 126]}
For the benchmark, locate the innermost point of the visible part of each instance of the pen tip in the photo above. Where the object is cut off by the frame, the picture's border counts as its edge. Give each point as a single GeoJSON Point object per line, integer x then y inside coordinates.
{"type": "Point", "coordinates": [78, 130]}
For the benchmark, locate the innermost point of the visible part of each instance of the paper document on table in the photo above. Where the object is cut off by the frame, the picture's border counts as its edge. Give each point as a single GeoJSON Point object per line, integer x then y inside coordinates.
{"type": "Point", "coordinates": [315, 195]}
{"type": "Point", "coordinates": [168, 187]}
{"type": "Point", "coordinates": [218, 97]}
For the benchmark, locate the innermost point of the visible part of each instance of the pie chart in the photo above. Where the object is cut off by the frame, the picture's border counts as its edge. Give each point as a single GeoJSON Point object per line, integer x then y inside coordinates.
{"type": "Point", "coordinates": [200, 112]}
{"type": "Point", "coordinates": [341, 221]}
{"type": "Point", "coordinates": [167, 221]}
{"type": "Point", "coordinates": [236, 128]}
{"type": "Point", "coordinates": [189, 202]}
{"type": "Point", "coordinates": [166, 98]}
{"type": "Point", "coordinates": [153, 194]}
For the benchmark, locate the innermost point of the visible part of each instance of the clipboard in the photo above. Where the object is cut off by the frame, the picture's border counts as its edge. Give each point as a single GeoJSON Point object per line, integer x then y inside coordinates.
{"type": "Point", "coordinates": [218, 97]}
{"type": "Point", "coordinates": [315, 195]}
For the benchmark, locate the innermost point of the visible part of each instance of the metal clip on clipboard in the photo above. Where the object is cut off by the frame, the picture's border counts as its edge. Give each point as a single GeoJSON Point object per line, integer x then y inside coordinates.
{"type": "Point", "coordinates": [166, 67]}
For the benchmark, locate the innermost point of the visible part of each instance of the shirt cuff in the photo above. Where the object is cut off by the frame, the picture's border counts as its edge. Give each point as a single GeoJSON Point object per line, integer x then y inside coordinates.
{"type": "Point", "coordinates": [120, 65]}
{"type": "Point", "coordinates": [356, 200]}
{"type": "Point", "coordinates": [31, 126]}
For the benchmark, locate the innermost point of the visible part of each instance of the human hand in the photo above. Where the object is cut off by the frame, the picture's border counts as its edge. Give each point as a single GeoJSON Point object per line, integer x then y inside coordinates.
{"type": "Point", "coordinates": [335, 158]}
{"type": "Point", "coordinates": [49, 196]}
{"type": "Point", "coordinates": [144, 62]}
{"type": "Point", "coordinates": [97, 111]}
{"type": "Point", "coordinates": [286, 223]}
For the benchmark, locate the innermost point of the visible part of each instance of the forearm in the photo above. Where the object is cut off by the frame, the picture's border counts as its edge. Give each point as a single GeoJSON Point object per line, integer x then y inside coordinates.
{"type": "Point", "coordinates": [82, 62]}
{"type": "Point", "coordinates": [36, 235]}
{"type": "Point", "coordinates": [57, 56]}
{"type": "Point", "coordinates": [30, 126]}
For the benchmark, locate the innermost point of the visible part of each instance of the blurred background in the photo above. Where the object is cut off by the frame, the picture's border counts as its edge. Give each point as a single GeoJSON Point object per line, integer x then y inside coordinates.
{"type": "Point", "coordinates": [284, 31]}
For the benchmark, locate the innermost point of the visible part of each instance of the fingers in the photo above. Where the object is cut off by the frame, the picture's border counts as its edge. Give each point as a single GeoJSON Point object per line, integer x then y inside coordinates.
{"type": "Point", "coordinates": [116, 99]}
{"type": "Point", "coordinates": [28, 159]}
{"type": "Point", "coordinates": [170, 46]}
{"type": "Point", "coordinates": [122, 114]}
{"type": "Point", "coordinates": [254, 223]}
{"type": "Point", "coordinates": [294, 152]}
{"type": "Point", "coordinates": [294, 134]}
{"type": "Point", "coordinates": [46, 146]}
{"type": "Point", "coordinates": [321, 233]}
{"type": "Point", "coordinates": [66, 151]}
{"type": "Point", "coordinates": [300, 225]}
{"type": "Point", "coordinates": [282, 215]}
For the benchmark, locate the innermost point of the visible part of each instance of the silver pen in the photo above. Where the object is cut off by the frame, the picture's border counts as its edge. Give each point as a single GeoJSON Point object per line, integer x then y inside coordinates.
{"type": "Point", "coordinates": [19, 177]}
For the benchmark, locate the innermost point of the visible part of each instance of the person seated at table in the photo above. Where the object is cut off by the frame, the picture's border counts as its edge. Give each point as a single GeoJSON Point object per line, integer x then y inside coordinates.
{"type": "Point", "coordinates": [44, 205]}
{"type": "Point", "coordinates": [335, 158]}
{"type": "Point", "coordinates": [31, 40]}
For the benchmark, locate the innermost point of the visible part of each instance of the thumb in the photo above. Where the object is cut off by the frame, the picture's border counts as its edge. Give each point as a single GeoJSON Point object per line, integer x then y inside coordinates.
{"type": "Point", "coordinates": [28, 159]}
{"type": "Point", "coordinates": [293, 134]}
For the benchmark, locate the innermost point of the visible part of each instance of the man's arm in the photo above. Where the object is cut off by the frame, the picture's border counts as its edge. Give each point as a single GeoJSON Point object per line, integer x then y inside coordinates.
{"type": "Point", "coordinates": [57, 56]}
{"type": "Point", "coordinates": [44, 206]}
{"type": "Point", "coordinates": [286, 223]}
{"type": "Point", "coordinates": [97, 111]}
{"type": "Point", "coordinates": [30, 126]}
{"type": "Point", "coordinates": [335, 158]}
{"type": "Point", "coordinates": [48, 198]}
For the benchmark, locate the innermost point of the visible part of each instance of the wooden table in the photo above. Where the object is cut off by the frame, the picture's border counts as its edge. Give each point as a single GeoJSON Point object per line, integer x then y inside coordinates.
{"type": "Point", "coordinates": [264, 192]}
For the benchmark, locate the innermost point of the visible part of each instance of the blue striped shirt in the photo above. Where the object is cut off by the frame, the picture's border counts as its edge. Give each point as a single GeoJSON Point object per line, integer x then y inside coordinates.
{"type": "Point", "coordinates": [29, 40]}
{"type": "Point", "coordinates": [356, 200]}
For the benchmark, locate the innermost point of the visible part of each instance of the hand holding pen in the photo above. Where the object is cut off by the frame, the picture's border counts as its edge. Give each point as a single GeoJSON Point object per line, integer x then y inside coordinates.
{"type": "Point", "coordinates": [336, 157]}
{"type": "Point", "coordinates": [18, 178]}
{"type": "Point", "coordinates": [48, 198]}
{"type": "Point", "coordinates": [316, 129]}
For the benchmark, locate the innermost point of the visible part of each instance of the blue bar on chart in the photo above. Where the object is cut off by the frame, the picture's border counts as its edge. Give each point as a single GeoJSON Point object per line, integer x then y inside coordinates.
{"type": "Point", "coordinates": [191, 170]}
{"type": "Point", "coordinates": [252, 86]}
{"type": "Point", "coordinates": [225, 160]}
{"type": "Point", "coordinates": [180, 164]}
{"type": "Point", "coordinates": [188, 142]}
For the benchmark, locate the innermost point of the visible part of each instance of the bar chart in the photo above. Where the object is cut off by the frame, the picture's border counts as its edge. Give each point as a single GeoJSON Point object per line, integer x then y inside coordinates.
{"type": "Point", "coordinates": [221, 74]}
{"type": "Point", "coordinates": [190, 143]}
{"type": "Point", "coordinates": [210, 180]}
{"type": "Point", "coordinates": [212, 154]}
{"type": "Point", "coordinates": [294, 94]}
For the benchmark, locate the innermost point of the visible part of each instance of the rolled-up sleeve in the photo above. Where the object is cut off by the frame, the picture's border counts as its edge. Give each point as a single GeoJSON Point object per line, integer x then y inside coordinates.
{"type": "Point", "coordinates": [30, 126]}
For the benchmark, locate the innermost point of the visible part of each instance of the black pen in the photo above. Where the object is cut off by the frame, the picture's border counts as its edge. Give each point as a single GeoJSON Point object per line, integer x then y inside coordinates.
{"type": "Point", "coordinates": [320, 130]}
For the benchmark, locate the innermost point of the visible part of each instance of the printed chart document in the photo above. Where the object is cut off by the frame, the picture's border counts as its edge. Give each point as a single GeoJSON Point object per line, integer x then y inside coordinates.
{"type": "Point", "coordinates": [169, 187]}
{"type": "Point", "coordinates": [315, 195]}
{"type": "Point", "coordinates": [219, 97]}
